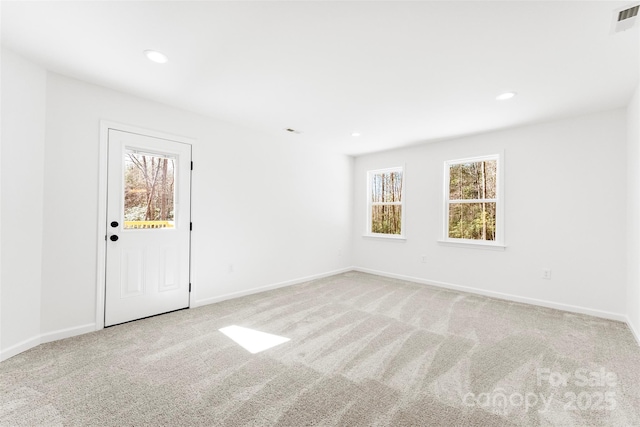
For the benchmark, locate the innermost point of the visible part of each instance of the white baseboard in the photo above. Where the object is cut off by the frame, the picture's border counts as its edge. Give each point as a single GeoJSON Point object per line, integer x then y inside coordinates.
{"type": "Point", "coordinates": [206, 301]}
{"type": "Point", "coordinates": [67, 333]}
{"type": "Point", "coordinates": [19, 348]}
{"type": "Point", "coordinates": [45, 338]}
{"type": "Point", "coordinates": [634, 331]}
{"type": "Point", "coordinates": [549, 304]}
{"type": "Point", "coordinates": [91, 327]}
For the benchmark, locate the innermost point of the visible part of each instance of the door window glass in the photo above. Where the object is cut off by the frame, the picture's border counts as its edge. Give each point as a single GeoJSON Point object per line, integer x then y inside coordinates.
{"type": "Point", "coordinates": [149, 196]}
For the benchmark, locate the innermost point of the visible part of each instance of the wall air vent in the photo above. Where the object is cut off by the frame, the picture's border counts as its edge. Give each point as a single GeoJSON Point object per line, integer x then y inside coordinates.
{"type": "Point", "coordinates": [624, 18]}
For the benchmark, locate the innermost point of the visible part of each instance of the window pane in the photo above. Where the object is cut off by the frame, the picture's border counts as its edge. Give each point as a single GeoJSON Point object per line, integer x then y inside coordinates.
{"type": "Point", "coordinates": [148, 190]}
{"type": "Point", "coordinates": [386, 219]}
{"type": "Point", "coordinates": [376, 188]}
{"type": "Point", "coordinates": [475, 180]}
{"type": "Point", "coordinates": [386, 187]}
{"type": "Point", "coordinates": [476, 221]}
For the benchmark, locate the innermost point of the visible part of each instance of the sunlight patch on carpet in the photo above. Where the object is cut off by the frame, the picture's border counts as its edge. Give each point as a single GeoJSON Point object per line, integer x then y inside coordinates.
{"type": "Point", "coordinates": [251, 340]}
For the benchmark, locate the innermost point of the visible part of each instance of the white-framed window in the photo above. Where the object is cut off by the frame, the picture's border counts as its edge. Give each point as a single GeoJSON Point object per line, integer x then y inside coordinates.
{"type": "Point", "coordinates": [385, 202]}
{"type": "Point", "coordinates": [473, 201]}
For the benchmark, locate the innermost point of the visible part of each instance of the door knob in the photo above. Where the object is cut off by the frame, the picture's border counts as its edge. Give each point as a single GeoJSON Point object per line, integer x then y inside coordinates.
{"type": "Point", "coordinates": [113, 238]}
{"type": "Point", "coordinates": [114, 224]}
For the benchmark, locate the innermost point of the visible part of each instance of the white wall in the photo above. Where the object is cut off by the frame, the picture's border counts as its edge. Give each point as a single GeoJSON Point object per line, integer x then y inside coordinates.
{"type": "Point", "coordinates": [565, 185]}
{"type": "Point", "coordinates": [277, 209]}
{"type": "Point", "coordinates": [633, 213]}
{"type": "Point", "coordinates": [23, 137]}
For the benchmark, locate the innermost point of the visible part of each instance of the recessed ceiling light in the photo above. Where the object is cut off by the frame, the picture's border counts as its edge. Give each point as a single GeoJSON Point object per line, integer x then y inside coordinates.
{"type": "Point", "coordinates": [355, 134]}
{"type": "Point", "coordinates": [506, 95]}
{"type": "Point", "coordinates": [156, 56]}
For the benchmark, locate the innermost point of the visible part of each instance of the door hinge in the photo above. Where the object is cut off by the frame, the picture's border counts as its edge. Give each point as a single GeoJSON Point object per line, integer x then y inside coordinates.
{"type": "Point", "coordinates": [191, 165]}
{"type": "Point", "coordinates": [189, 287]}
{"type": "Point", "coordinates": [190, 226]}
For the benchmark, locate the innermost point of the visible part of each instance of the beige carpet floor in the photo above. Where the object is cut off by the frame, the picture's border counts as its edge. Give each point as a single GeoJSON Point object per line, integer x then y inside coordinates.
{"type": "Point", "coordinates": [363, 350]}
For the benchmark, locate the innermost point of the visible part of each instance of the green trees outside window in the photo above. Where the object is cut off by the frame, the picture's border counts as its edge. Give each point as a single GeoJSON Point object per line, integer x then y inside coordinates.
{"type": "Point", "coordinates": [149, 187]}
{"type": "Point", "coordinates": [385, 201]}
{"type": "Point", "coordinates": [472, 201]}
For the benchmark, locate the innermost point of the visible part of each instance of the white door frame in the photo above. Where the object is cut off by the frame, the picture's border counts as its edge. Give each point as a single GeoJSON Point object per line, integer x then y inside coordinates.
{"type": "Point", "coordinates": [102, 203]}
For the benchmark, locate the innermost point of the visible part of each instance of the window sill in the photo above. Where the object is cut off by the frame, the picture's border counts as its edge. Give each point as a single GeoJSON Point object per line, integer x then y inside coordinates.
{"type": "Point", "coordinates": [473, 245]}
{"type": "Point", "coordinates": [385, 237]}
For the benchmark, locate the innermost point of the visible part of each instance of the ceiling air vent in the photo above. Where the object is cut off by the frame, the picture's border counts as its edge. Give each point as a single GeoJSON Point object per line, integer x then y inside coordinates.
{"type": "Point", "coordinates": [624, 18]}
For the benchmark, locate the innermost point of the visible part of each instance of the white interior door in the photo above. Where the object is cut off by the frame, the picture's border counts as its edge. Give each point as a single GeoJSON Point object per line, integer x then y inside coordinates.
{"type": "Point", "coordinates": [148, 226]}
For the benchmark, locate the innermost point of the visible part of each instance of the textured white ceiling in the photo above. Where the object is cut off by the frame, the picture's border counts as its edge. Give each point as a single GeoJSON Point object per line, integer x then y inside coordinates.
{"type": "Point", "coordinates": [397, 72]}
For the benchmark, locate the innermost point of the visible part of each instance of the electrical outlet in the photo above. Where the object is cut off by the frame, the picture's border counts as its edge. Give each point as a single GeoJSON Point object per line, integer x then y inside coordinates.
{"type": "Point", "coordinates": [546, 273]}
{"type": "Point", "coordinates": [230, 268]}
{"type": "Point", "coordinates": [423, 258]}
